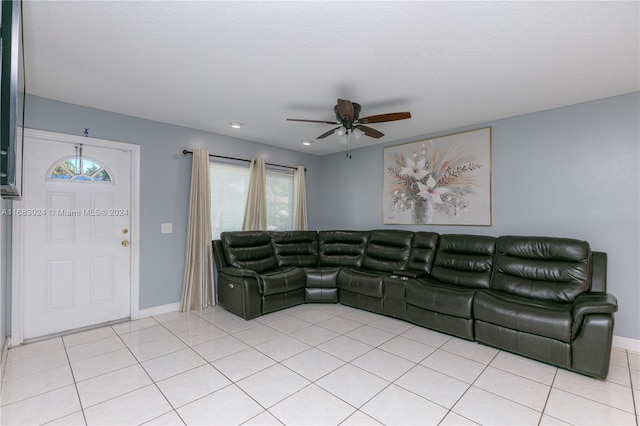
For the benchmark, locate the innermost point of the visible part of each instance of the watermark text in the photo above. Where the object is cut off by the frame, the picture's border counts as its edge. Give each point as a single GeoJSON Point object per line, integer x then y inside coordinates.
{"type": "Point", "coordinates": [64, 212]}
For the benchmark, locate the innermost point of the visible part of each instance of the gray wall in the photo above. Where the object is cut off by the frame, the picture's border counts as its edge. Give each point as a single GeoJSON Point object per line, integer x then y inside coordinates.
{"type": "Point", "coordinates": [164, 183]}
{"type": "Point", "coordinates": [569, 172]}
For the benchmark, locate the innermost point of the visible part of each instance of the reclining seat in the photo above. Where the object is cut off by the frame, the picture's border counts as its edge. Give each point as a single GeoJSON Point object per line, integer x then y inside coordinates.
{"type": "Point", "coordinates": [540, 304]}
{"type": "Point", "coordinates": [337, 249]}
{"type": "Point", "coordinates": [423, 251]}
{"type": "Point", "coordinates": [253, 283]}
{"type": "Point", "coordinates": [386, 251]}
{"type": "Point", "coordinates": [300, 249]}
{"type": "Point", "coordinates": [444, 300]}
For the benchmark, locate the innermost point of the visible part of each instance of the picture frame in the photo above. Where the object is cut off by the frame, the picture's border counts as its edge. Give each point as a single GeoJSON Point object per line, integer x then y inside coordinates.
{"type": "Point", "coordinates": [439, 181]}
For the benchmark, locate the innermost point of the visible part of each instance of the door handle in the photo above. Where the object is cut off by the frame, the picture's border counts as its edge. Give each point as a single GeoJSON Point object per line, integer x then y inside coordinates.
{"type": "Point", "coordinates": [125, 243]}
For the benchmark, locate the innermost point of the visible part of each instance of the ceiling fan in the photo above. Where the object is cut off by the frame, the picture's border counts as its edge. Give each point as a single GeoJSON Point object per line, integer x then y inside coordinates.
{"type": "Point", "coordinates": [348, 118]}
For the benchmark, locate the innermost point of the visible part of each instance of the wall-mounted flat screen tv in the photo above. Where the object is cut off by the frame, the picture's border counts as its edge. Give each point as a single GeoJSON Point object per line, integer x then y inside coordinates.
{"type": "Point", "coordinates": [12, 90]}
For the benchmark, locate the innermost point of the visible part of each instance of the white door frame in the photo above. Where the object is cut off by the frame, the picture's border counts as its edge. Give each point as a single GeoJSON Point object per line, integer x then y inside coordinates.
{"type": "Point", "coordinates": [18, 230]}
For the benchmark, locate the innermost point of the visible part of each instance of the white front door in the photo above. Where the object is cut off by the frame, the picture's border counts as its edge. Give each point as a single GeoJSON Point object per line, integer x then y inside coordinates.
{"type": "Point", "coordinates": [76, 231]}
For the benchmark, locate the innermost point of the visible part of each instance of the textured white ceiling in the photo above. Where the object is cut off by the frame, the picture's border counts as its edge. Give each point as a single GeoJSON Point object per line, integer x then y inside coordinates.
{"type": "Point", "coordinates": [451, 64]}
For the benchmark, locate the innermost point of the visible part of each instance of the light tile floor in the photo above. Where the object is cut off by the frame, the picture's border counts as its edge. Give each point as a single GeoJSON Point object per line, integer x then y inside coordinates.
{"type": "Point", "coordinates": [310, 364]}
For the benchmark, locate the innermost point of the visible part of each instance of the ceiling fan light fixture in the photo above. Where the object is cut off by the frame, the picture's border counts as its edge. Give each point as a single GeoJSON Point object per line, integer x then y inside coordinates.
{"type": "Point", "coordinates": [357, 133]}
{"type": "Point", "coordinates": [341, 134]}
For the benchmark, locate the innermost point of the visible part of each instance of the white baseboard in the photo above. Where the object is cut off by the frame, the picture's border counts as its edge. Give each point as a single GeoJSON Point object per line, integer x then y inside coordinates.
{"type": "Point", "coordinates": [158, 310]}
{"type": "Point", "coordinates": [626, 343]}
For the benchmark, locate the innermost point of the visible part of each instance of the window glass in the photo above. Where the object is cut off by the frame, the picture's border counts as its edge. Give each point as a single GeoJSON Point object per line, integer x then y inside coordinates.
{"type": "Point", "coordinates": [79, 169]}
{"type": "Point", "coordinates": [229, 186]}
{"type": "Point", "coordinates": [279, 201]}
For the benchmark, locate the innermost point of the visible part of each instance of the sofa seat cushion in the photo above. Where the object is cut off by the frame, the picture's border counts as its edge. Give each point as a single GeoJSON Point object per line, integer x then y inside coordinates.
{"type": "Point", "coordinates": [539, 317]}
{"type": "Point", "coordinates": [361, 281]}
{"type": "Point", "coordinates": [439, 297]}
{"type": "Point", "coordinates": [282, 280]}
{"type": "Point", "coordinates": [322, 277]}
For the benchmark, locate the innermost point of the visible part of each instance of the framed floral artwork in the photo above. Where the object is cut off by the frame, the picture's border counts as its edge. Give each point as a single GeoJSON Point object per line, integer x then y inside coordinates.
{"type": "Point", "coordinates": [440, 181]}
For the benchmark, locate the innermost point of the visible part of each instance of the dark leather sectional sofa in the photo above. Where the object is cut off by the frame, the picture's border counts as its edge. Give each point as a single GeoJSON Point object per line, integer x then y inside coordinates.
{"type": "Point", "coordinates": [540, 297]}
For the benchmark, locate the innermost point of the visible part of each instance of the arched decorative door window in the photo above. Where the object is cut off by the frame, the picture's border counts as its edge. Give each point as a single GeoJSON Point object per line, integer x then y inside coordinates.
{"type": "Point", "coordinates": [83, 169]}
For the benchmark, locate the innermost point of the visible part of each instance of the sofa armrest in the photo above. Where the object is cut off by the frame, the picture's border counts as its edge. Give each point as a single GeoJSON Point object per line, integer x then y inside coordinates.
{"type": "Point", "coordinates": [410, 273]}
{"type": "Point", "coordinates": [591, 303]}
{"type": "Point", "coordinates": [238, 272]}
{"type": "Point", "coordinates": [240, 275]}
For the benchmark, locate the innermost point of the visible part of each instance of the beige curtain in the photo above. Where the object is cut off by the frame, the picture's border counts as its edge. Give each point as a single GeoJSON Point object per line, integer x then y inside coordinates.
{"type": "Point", "coordinates": [197, 285]}
{"type": "Point", "coordinates": [299, 200]}
{"type": "Point", "coordinates": [255, 214]}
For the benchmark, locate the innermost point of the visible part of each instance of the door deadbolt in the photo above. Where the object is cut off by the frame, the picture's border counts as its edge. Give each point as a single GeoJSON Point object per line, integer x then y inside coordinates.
{"type": "Point", "coordinates": [125, 231]}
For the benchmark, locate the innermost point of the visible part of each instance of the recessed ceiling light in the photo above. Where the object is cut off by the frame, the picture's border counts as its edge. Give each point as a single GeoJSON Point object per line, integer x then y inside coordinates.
{"type": "Point", "coordinates": [236, 124]}
{"type": "Point", "coordinates": [306, 143]}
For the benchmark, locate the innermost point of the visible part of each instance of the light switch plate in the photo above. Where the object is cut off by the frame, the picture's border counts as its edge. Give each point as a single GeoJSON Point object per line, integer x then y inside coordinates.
{"type": "Point", "coordinates": [166, 228]}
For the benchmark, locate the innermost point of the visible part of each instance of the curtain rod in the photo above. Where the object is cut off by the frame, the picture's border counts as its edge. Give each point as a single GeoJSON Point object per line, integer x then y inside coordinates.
{"type": "Point", "coordinates": [185, 152]}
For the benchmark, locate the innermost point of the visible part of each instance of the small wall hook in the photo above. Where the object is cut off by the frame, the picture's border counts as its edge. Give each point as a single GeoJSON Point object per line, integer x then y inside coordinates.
{"type": "Point", "coordinates": [86, 132]}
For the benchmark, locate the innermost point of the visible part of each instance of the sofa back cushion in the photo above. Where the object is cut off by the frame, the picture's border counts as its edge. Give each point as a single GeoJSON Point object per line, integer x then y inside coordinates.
{"type": "Point", "coordinates": [387, 250]}
{"type": "Point", "coordinates": [341, 248]}
{"type": "Point", "coordinates": [295, 248]}
{"type": "Point", "coordinates": [545, 268]}
{"type": "Point", "coordinates": [464, 260]}
{"type": "Point", "coordinates": [249, 250]}
{"type": "Point", "coordinates": [423, 251]}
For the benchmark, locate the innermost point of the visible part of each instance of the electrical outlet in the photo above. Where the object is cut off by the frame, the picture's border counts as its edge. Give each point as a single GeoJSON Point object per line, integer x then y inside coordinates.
{"type": "Point", "coordinates": [166, 228]}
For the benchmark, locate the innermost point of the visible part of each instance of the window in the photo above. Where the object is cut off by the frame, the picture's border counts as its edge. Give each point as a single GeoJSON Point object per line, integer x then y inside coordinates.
{"type": "Point", "coordinates": [79, 169]}
{"type": "Point", "coordinates": [279, 200]}
{"type": "Point", "coordinates": [229, 186]}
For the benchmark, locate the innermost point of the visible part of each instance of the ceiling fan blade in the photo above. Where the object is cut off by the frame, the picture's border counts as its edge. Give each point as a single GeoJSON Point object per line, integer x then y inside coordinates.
{"type": "Point", "coordinates": [312, 121]}
{"type": "Point", "coordinates": [380, 118]}
{"type": "Point", "coordinates": [370, 132]}
{"type": "Point", "coordinates": [330, 132]}
{"type": "Point", "coordinates": [345, 109]}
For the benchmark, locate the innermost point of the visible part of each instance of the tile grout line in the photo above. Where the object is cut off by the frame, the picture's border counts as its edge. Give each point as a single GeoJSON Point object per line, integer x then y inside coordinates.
{"type": "Point", "coordinates": [138, 363]}
{"type": "Point", "coordinates": [175, 409]}
{"type": "Point", "coordinates": [546, 402]}
{"type": "Point", "coordinates": [40, 372]}
{"type": "Point", "coordinates": [151, 378]}
{"type": "Point", "coordinates": [633, 390]}
{"type": "Point", "coordinates": [314, 382]}
{"type": "Point", "coordinates": [75, 383]}
{"type": "Point", "coordinates": [207, 362]}
{"type": "Point", "coordinates": [450, 410]}
{"type": "Point", "coordinates": [350, 363]}
{"type": "Point", "coordinates": [343, 363]}
{"type": "Point", "coordinates": [389, 383]}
